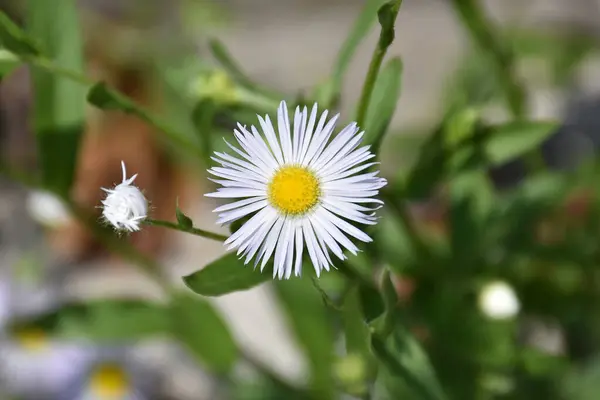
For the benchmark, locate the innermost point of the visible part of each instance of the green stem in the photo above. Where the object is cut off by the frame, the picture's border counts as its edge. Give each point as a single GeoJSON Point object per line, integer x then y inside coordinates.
{"type": "Point", "coordinates": [386, 37]}
{"type": "Point", "coordinates": [503, 61]}
{"type": "Point", "coordinates": [76, 76]}
{"type": "Point", "coordinates": [194, 231]}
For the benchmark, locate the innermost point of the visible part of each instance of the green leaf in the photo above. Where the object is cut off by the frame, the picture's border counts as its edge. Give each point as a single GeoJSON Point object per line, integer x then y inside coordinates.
{"type": "Point", "coordinates": [103, 320]}
{"type": "Point", "coordinates": [225, 275]}
{"type": "Point", "coordinates": [8, 62]}
{"type": "Point", "coordinates": [310, 322]}
{"type": "Point", "coordinates": [15, 40]}
{"type": "Point", "coordinates": [183, 220]}
{"type": "Point", "coordinates": [383, 103]}
{"type": "Point", "coordinates": [371, 302]}
{"type": "Point", "coordinates": [355, 329]}
{"type": "Point", "coordinates": [59, 102]}
{"type": "Point", "coordinates": [203, 116]}
{"type": "Point", "coordinates": [359, 31]}
{"type": "Point", "coordinates": [511, 140]}
{"type": "Point", "coordinates": [405, 368]}
{"type": "Point", "coordinates": [356, 334]}
{"type": "Point", "coordinates": [201, 329]}
{"type": "Point", "coordinates": [429, 169]}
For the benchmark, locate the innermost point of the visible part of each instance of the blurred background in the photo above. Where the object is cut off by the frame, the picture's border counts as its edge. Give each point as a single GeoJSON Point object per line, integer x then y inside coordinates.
{"type": "Point", "coordinates": [518, 329]}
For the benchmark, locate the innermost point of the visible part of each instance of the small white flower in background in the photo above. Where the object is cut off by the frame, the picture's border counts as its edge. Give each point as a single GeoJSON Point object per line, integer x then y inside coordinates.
{"type": "Point", "coordinates": [302, 188]}
{"type": "Point", "coordinates": [125, 206]}
{"type": "Point", "coordinates": [34, 365]}
{"type": "Point", "coordinates": [498, 300]}
{"type": "Point", "coordinates": [47, 209]}
{"type": "Point", "coordinates": [113, 377]}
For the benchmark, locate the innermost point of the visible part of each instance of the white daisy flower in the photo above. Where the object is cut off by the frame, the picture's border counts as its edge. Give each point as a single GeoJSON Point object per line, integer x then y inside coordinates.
{"type": "Point", "coordinates": [34, 365]}
{"type": "Point", "coordinates": [302, 188]}
{"type": "Point", "coordinates": [114, 376]}
{"type": "Point", "coordinates": [47, 209]}
{"type": "Point", "coordinates": [125, 206]}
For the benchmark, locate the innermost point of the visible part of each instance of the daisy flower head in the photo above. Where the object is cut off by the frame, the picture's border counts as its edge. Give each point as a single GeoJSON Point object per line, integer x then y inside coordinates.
{"type": "Point", "coordinates": [125, 206]}
{"type": "Point", "coordinates": [301, 187]}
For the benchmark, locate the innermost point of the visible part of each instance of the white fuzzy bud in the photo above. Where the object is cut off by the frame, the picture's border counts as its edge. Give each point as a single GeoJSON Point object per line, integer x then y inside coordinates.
{"type": "Point", "coordinates": [125, 206]}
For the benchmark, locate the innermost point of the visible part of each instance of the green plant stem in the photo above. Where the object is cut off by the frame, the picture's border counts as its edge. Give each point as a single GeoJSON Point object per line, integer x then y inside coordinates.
{"type": "Point", "coordinates": [194, 231]}
{"type": "Point", "coordinates": [486, 39]}
{"type": "Point", "coordinates": [374, 67]}
{"type": "Point", "coordinates": [79, 77]}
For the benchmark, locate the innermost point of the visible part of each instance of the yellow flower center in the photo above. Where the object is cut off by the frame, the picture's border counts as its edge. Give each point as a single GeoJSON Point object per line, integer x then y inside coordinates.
{"type": "Point", "coordinates": [294, 190]}
{"type": "Point", "coordinates": [109, 381]}
{"type": "Point", "coordinates": [32, 339]}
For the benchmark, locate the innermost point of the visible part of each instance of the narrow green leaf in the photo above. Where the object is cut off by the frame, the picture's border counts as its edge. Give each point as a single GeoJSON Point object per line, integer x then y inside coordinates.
{"type": "Point", "coordinates": [371, 302]}
{"type": "Point", "coordinates": [102, 320]}
{"type": "Point", "coordinates": [356, 330]}
{"type": "Point", "coordinates": [8, 62]}
{"type": "Point", "coordinates": [183, 220]}
{"type": "Point", "coordinates": [15, 40]}
{"type": "Point", "coordinates": [511, 140]}
{"type": "Point", "coordinates": [383, 103]}
{"type": "Point", "coordinates": [356, 334]}
{"type": "Point", "coordinates": [310, 322]}
{"type": "Point", "coordinates": [225, 275]}
{"type": "Point", "coordinates": [405, 368]}
{"type": "Point", "coordinates": [203, 116]}
{"type": "Point", "coordinates": [390, 301]}
{"type": "Point", "coordinates": [359, 31]}
{"type": "Point", "coordinates": [59, 102]}
{"type": "Point", "coordinates": [201, 329]}
{"type": "Point", "coordinates": [429, 169]}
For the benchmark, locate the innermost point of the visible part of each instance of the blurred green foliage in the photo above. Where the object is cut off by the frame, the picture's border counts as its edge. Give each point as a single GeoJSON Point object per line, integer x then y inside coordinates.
{"type": "Point", "coordinates": [434, 342]}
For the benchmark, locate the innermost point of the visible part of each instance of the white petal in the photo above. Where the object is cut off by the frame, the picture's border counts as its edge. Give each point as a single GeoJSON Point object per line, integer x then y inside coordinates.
{"type": "Point", "coordinates": [248, 228]}
{"type": "Point", "coordinates": [296, 134]}
{"type": "Point", "coordinates": [336, 145]}
{"type": "Point", "coordinates": [327, 238]}
{"type": "Point", "coordinates": [346, 227]}
{"type": "Point", "coordinates": [230, 193]}
{"type": "Point", "coordinates": [308, 132]}
{"type": "Point", "coordinates": [334, 177]}
{"type": "Point", "coordinates": [285, 138]}
{"type": "Point", "coordinates": [299, 250]}
{"type": "Point", "coordinates": [268, 153]}
{"type": "Point", "coordinates": [269, 132]}
{"type": "Point", "coordinates": [231, 216]}
{"type": "Point", "coordinates": [239, 184]}
{"type": "Point", "coordinates": [320, 140]}
{"type": "Point", "coordinates": [238, 204]}
{"type": "Point", "coordinates": [281, 250]}
{"type": "Point", "coordinates": [269, 245]}
{"type": "Point", "coordinates": [338, 235]}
